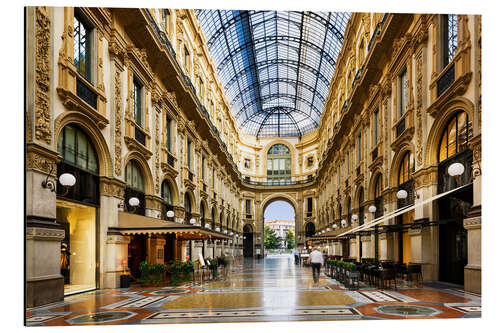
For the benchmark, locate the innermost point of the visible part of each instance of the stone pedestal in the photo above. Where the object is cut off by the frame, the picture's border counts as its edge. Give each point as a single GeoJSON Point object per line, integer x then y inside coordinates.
{"type": "Point", "coordinates": [366, 242]}
{"type": "Point", "coordinates": [44, 282]}
{"type": "Point", "coordinates": [116, 259]}
{"type": "Point", "coordinates": [472, 271]}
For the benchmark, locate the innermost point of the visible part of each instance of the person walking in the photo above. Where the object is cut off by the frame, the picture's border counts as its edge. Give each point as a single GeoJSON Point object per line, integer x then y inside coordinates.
{"type": "Point", "coordinates": [316, 259]}
{"type": "Point", "coordinates": [296, 255]}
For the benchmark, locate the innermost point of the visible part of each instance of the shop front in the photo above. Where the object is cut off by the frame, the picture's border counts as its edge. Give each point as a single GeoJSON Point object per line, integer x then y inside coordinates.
{"type": "Point", "coordinates": [77, 210]}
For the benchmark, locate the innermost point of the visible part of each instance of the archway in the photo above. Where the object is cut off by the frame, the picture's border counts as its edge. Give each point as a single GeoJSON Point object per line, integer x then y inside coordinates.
{"type": "Point", "coordinates": [279, 226]}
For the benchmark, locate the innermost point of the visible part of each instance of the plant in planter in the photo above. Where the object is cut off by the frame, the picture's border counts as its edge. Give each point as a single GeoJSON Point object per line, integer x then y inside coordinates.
{"type": "Point", "coordinates": [145, 269]}
{"type": "Point", "coordinates": [157, 273]}
{"type": "Point", "coordinates": [175, 270]}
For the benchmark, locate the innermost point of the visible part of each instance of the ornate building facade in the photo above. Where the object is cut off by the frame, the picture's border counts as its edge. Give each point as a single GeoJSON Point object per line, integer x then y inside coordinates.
{"type": "Point", "coordinates": [129, 101]}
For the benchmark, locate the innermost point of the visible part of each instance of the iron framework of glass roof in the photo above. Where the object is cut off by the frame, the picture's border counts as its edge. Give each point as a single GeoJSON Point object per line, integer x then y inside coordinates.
{"type": "Point", "coordinates": [275, 66]}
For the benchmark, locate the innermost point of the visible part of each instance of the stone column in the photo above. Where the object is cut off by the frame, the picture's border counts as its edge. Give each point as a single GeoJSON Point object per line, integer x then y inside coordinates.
{"type": "Point", "coordinates": [366, 242]}
{"type": "Point", "coordinates": [353, 248]}
{"type": "Point", "coordinates": [386, 248]}
{"type": "Point", "coordinates": [44, 282]}
{"type": "Point", "coordinates": [472, 271]}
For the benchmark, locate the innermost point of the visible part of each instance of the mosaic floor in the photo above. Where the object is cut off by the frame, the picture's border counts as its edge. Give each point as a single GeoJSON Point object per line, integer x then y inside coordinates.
{"type": "Point", "coordinates": [273, 289]}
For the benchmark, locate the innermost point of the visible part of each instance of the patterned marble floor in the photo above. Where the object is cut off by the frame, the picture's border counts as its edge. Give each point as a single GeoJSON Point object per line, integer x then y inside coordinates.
{"type": "Point", "coordinates": [273, 289]}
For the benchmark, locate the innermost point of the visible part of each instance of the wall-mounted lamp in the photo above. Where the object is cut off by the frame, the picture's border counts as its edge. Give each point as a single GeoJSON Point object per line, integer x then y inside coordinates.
{"type": "Point", "coordinates": [192, 221]}
{"type": "Point", "coordinates": [67, 180]}
{"type": "Point", "coordinates": [170, 214]}
{"type": "Point", "coordinates": [343, 223]}
{"type": "Point", "coordinates": [372, 209]}
{"type": "Point", "coordinates": [217, 229]}
{"type": "Point", "coordinates": [354, 217]}
{"type": "Point", "coordinates": [132, 202]}
{"type": "Point", "coordinates": [335, 226]}
{"type": "Point", "coordinates": [207, 226]}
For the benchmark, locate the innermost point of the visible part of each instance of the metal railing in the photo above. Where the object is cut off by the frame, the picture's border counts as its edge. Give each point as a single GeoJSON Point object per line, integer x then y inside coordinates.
{"type": "Point", "coordinates": [281, 182]}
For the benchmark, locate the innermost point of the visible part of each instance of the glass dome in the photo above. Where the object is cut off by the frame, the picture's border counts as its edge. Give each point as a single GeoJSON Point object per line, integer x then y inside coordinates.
{"type": "Point", "coordinates": [275, 66]}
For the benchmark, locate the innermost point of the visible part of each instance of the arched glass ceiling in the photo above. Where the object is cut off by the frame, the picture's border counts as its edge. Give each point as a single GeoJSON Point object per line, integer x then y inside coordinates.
{"type": "Point", "coordinates": [275, 66]}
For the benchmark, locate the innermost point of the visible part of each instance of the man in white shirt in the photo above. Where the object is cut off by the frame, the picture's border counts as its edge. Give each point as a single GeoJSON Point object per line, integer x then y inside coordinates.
{"type": "Point", "coordinates": [316, 259]}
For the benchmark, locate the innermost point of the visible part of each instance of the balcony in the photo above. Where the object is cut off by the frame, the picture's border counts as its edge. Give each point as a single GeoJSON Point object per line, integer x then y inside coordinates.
{"type": "Point", "coordinates": [374, 153]}
{"type": "Point", "coordinates": [446, 80]}
{"type": "Point", "coordinates": [85, 93]}
{"type": "Point", "coordinates": [400, 127]}
{"type": "Point", "coordinates": [140, 136]}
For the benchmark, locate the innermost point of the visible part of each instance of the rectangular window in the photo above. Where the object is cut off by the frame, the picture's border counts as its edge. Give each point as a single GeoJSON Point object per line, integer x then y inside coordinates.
{"type": "Point", "coordinates": [169, 134]}
{"type": "Point", "coordinates": [449, 37]}
{"type": "Point", "coordinates": [137, 102]}
{"type": "Point", "coordinates": [309, 204]}
{"type": "Point", "coordinates": [402, 91]}
{"type": "Point", "coordinates": [359, 148]}
{"type": "Point", "coordinates": [247, 207]}
{"type": "Point", "coordinates": [164, 18]}
{"type": "Point", "coordinates": [186, 58]}
{"type": "Point", "coordinates": [247, 163]}
{"type": "Point", "coordinates": [189, 153]}
{"type": "Point", "coordinates": [310, 161]}
{"type": "Point", "coordinates": [375, 127]}
{"type": "Point", "coordinates": [347, 164]}
{"type": "Point", "coordinates": [203, 168]}
{"type": "Point", "coordinates": [81, 47]}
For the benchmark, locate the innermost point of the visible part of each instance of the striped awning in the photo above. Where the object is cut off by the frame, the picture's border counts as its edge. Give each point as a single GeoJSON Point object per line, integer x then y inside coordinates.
{"type": "Point", "coordinates": [132, 224]}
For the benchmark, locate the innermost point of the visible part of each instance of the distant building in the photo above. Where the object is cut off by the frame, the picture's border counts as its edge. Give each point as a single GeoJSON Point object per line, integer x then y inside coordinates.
{"type": "Point", "coordinates": [281, 227]}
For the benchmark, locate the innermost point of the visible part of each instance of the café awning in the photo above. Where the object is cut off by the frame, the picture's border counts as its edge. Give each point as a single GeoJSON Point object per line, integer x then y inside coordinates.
{"type": "Point", "coordinates": [131, 224]}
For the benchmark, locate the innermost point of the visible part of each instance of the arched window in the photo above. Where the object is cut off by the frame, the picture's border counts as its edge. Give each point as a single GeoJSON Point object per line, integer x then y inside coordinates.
{"type": "Point", "coordinates": [187, 203]}
{"type": "Point", "coordinates": [135, 187]}
{"type": "Point", "coordinates": [213, 218]}
{"type": "Point", "coordinates": [279, 163]}
{"type": "Point", "coordinates": [378, 196]}
{"type": "Point", "coordinates": [166, 192]}
{"type": "Point", "coordinates": [405, 179]}
{"type": "Point", "coordinates": [77, 150]}
{"type": "Point", "coordinates": [133, 176]}
{"type": "Point", "coordinates": [80, 160]}
{"type": "Point", "coordinates": [455, 137]}
{"type": "Point", "coordinates": [349, 221]}
{"type": "Point", "coordinates": [406, 168]}
{"type": "Point", "coordinates": [310, 229]}
{"type": "Point", "coordinates": [361, 213]}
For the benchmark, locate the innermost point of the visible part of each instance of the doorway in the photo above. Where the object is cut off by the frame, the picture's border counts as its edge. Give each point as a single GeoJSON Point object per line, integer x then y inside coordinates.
{"type": "Point", "coordinates": [137, 252]}
{"type": "Point", "coordinates": [248, 241]}
{"type": "Point", "coordinates": [452, 235]}
{"type": "Point", "coordinates": [279, 227]}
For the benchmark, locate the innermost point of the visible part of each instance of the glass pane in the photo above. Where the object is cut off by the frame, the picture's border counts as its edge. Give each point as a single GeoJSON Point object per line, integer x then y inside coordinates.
{"type": "Point", "coordinates": [70, 145]}
{"type": "Point", "coordinates": [276, 164]}
{"type": "Point", "coordinates": [452, 144]}
{"type": "Point", "coordinates": [282, 164]}
{"type": "Point", "coordinates": [92, 160]}
{"type": "Point", "coordinates": [81, 156]}
{"type": "Point", "coordinates": [443, 150]}
{"type": "Point", "coordinates": [462, 131]}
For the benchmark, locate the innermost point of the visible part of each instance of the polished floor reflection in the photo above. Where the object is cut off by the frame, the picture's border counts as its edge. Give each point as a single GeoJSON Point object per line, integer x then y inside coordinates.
{"type": "Point", "coordinates": [273, 289]}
